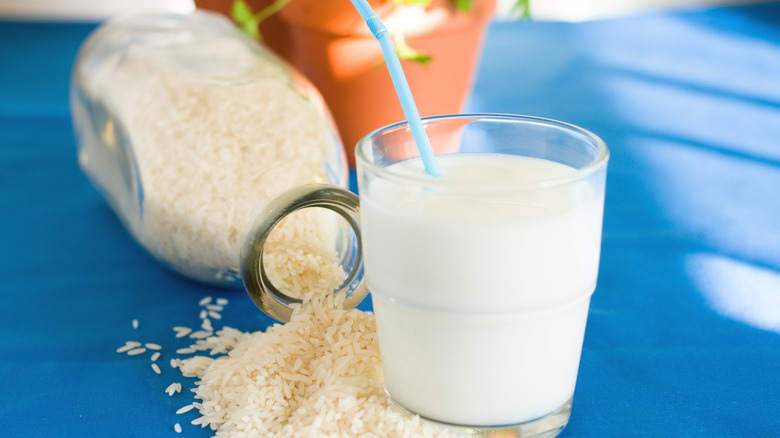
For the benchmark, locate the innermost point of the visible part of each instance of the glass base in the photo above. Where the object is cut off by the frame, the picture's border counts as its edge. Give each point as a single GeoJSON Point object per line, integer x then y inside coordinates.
{"type": "Point", "coordinates": [548, 426]}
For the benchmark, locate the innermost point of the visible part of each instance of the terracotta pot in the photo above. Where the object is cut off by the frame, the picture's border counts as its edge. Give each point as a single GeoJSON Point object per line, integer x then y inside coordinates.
{"type": "Point", "coordinates": [332, 46]}
{"type": "Point", "coordinates": [329, 43]}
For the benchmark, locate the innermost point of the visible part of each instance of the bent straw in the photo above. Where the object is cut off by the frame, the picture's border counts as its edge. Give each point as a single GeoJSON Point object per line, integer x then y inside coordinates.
{"type": "Point", "coordinates": [379, 30]}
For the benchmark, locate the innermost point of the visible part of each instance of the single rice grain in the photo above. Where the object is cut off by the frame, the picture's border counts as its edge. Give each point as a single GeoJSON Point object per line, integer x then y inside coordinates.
{"type": "Point", "coordinates": [185, 409]}
{"type": "Point", "coordinates": [201, 334]}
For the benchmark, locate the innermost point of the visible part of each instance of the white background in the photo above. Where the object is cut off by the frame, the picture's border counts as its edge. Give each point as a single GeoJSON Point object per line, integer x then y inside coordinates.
{"type": "Point", "coordinates": [566, 10]}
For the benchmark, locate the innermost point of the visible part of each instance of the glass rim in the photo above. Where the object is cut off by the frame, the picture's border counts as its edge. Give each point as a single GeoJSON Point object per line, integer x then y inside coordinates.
{"type": "Point", "coordinates": [597, 163]}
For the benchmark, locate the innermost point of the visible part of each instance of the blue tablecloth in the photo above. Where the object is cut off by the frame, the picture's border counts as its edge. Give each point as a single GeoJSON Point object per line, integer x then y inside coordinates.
{"type": "Point", "coordinates": [683, 336]}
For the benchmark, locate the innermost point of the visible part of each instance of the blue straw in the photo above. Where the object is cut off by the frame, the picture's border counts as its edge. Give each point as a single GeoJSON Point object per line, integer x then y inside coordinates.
{"type": "Point", "coordinates": [401, 86]}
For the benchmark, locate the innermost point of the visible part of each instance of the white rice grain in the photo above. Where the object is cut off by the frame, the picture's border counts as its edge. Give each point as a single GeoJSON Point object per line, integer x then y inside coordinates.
{"type": "Point", "coordinates": [155, 356]}
{"type": "Point", "coordinates": [177, 428]}
{"type": "Point", "coordinates": [156, 368]}
{"type": "Point", "coordinates": [201, 334]}
{"type": "Point", "coordinates": [136, 351]}
{"type": "Point", "coordinates": [184, 409]}
{"type": "Point", "coordinates": [129, 345]}
{"type": "Point", "coordinates": [182, 331]}
{"type": "Point", "coordinates": [152, 346]}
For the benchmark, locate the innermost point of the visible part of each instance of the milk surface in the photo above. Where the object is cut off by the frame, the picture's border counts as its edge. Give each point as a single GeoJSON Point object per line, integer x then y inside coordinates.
{"type": "Point", "coordinates": [481, 296]}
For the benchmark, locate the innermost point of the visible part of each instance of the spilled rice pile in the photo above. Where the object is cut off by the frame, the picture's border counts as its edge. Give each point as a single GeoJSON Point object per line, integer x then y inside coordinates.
{"type": "Point", "coordinates": [317, 375]}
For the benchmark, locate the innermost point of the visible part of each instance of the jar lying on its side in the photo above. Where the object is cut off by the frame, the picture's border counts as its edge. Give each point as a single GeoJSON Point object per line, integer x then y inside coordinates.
{"type": "Point", "coordinates": [189, 128]}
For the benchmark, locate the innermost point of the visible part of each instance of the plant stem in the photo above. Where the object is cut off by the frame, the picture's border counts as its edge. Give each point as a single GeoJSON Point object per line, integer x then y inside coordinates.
{"type": "Point", "coordinates": [271, 9]}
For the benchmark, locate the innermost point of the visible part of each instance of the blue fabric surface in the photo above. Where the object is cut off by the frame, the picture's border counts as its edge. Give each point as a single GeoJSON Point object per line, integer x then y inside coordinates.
{"type": "Point", "coordinates": [683, 335]}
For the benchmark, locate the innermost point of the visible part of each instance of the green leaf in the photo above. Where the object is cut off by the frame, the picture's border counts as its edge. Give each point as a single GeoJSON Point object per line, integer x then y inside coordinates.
{"type": "Point", "coordinates": [408, 53]}
{"type": "Point", "coordinates": [464, 5]}
{"type": "Point", "coordinates": [241, 12]}
{"type": "Point", "coordinates": [522, 8]}
{"type": "Point", "coordinates": [243, 16]}
{"type": "Point", "coordinates": [251, 28]}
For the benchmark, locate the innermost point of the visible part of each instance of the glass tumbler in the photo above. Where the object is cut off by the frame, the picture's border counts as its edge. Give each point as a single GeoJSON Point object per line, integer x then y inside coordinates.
{"type": "Point", "coordinates": [481, 278]}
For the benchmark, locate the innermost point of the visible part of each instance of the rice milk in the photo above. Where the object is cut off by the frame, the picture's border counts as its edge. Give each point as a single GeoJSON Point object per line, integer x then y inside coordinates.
{"type": "Point", "coordinates": [481, 296]}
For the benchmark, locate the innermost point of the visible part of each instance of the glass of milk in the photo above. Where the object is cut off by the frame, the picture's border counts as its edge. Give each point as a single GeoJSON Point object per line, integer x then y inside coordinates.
{"type": "Point", "coordinates": [481, 278]}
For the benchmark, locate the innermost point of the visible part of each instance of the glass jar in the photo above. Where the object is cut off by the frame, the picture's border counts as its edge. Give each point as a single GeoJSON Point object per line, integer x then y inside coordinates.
{"type": "Point", "coordinates": [190, 129]}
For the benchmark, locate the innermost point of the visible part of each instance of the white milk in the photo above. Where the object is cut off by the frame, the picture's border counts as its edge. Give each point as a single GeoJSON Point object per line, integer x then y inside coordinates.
{"type": "Point", "coordinates": [481, 300]}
